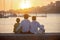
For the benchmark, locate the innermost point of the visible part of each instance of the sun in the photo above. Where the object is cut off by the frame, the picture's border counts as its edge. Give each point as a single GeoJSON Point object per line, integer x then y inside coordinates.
{"type": "Point", "coordinates": [25, 4]}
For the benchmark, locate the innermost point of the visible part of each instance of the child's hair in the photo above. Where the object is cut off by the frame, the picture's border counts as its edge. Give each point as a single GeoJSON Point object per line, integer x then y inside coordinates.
{"type": "Point", "coordinates": [33, 17]}
{"type": "Point", "coordinates": [26, 16]}
{"type": "Point", "coordinates": [18, 20]}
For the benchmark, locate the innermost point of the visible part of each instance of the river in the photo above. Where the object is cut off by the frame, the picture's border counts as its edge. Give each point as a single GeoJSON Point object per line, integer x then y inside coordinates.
{"type": "Point", "coordinates": [51, 23]}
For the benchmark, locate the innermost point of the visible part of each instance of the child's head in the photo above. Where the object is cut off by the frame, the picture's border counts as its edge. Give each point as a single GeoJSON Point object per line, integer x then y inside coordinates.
{"type": "Point", "coordinates": [17, 20]}
{"type": "Point", "coordinates": [26, 16]}
{"type": "Point", "coordinates": [33, 17]}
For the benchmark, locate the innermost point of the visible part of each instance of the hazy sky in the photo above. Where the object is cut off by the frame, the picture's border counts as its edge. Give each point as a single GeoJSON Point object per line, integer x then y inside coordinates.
{"type": "Point", "coordinates": [8, 4]}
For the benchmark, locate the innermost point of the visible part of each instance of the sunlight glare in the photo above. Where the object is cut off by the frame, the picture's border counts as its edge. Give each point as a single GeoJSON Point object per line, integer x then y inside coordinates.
{"type": "Point", "coordinates": [25, 4]}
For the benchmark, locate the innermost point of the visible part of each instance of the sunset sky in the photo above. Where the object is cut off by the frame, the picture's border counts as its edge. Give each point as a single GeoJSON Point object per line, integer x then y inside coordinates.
{"type": "Point", "coordinates": [16, 4]}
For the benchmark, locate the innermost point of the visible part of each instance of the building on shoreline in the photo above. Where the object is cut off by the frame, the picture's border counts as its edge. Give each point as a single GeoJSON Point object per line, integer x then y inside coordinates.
{"type": "Point", "coordinates": [58, 6]}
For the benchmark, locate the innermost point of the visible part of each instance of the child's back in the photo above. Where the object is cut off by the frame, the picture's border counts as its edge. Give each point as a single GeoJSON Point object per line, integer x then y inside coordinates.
{"type": "Point", "coordinates": [34, 25]}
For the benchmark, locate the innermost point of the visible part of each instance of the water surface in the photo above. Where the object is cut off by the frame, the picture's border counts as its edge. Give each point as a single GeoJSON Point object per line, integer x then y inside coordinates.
{"type": "Point", "coordinates": [51, 23]}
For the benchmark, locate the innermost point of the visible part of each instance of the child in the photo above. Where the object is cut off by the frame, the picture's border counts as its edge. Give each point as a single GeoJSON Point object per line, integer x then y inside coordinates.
{"type": "Point", "coordinates": [25, 25]}
{"type": "Point", "coordinates": [35, 25]}
{"type": "Point", "coordinates": [16, 25]}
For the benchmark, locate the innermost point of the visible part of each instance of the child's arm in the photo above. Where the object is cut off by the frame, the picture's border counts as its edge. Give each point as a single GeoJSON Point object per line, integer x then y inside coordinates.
{"type": "Point", "coordinates": [41, 27]}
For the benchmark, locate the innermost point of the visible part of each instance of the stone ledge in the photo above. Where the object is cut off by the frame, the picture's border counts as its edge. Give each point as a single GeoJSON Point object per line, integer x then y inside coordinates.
{"type": "Point", "coordinates": [46, 36]}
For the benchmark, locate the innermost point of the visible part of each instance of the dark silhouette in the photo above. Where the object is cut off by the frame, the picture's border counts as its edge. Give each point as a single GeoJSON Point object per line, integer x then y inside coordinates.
{"type": "Point", "coordinates": [16, 25]}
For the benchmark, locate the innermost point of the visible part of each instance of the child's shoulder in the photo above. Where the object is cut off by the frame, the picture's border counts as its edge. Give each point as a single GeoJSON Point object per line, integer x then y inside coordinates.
{"type": "Point", "coordinates": [16, 23]}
